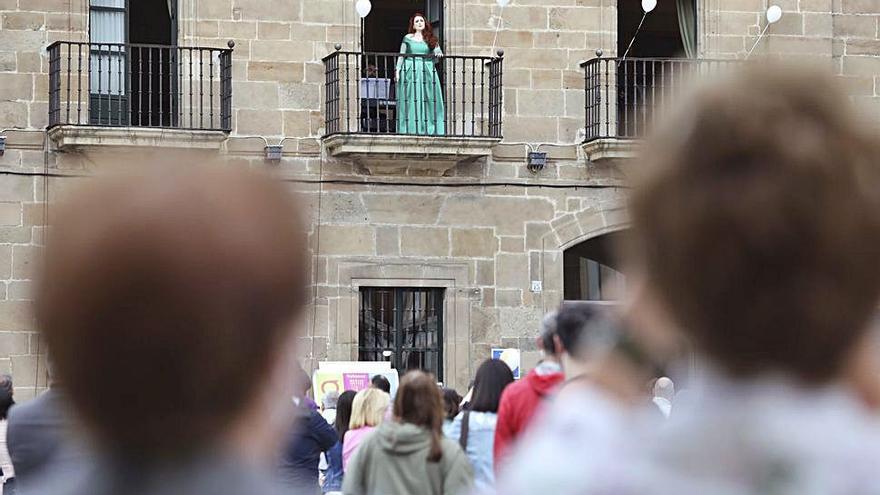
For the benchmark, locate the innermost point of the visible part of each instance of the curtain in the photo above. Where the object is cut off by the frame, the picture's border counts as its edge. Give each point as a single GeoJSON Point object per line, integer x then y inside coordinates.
{"type": "Point", "coordinates": [687, 25]}
{"type": "Point", "coordinates": [107, 25]}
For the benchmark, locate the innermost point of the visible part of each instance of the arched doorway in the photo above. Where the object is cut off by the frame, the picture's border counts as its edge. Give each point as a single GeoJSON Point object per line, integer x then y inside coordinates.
{"type": "Point", "coordinates": [592, 269]}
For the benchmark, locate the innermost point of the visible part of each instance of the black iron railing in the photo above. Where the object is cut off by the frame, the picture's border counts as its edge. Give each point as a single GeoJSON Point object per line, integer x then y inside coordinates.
{"type": "Point", "coordinates": [113, 84]}
{"type": "Point", "coordinates": [624, 95]}
{"type": "Point", "coordinates": [390, 93]}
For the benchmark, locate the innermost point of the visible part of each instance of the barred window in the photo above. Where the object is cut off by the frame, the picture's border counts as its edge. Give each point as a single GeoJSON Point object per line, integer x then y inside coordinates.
{"type": "Point", "coordinates": [403, 326]}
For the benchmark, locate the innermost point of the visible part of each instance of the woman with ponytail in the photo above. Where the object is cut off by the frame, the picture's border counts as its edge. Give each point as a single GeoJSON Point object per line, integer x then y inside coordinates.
{"type": "Point", "coordinates": [409, 454]}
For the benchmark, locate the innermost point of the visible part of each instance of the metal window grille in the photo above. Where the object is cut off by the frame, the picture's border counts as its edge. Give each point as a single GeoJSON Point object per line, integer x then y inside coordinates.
{"type": "Point", "coordinates": [405, 322]}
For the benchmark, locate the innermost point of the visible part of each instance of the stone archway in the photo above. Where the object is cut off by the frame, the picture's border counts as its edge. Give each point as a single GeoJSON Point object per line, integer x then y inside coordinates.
{"type": "Point", "coordinates": [570, 230]}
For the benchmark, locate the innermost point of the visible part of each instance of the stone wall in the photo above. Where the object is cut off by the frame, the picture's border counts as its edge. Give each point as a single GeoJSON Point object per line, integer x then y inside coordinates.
{"type": "Point", "coordinates": [484, 231]}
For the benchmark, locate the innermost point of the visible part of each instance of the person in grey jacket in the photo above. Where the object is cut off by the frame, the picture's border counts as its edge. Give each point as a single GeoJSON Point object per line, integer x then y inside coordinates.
{"type": "Point", "coordinates": [409, 454]}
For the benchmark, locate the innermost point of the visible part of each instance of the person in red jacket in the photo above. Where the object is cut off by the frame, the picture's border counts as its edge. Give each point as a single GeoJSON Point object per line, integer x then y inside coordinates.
{"type": "Point", "coordinates": [520, 400]}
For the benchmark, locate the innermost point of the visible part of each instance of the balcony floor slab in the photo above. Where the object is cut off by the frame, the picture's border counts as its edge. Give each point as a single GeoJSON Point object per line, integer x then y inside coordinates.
{"type": "Point", "coordinates": [75, 136]}
{"type": "Point", "coordinates": [395, 154]}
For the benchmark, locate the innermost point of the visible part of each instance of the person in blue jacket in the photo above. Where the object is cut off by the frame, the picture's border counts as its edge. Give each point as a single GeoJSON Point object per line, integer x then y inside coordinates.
{"type": "Point", "coordinates": [310, 436]}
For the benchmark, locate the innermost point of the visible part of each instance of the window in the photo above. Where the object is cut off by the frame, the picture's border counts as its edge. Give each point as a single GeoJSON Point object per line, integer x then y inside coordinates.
{"type": "Point", "coordinates": [133, 62]}
{"type": "Point", "coordinates": [403, 326]}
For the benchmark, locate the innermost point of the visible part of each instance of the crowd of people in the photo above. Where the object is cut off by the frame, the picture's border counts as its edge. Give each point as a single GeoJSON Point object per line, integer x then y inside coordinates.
{"type": "Point", "coordinates": [753, 282]}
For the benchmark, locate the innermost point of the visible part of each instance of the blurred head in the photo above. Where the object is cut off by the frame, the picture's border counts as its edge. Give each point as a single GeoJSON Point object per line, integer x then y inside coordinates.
{"type": "Point", "coordinates": [5, 395]}
{"type": "Point", "coordinates": [491, 378]}
{"type": "Point", "coordinates": [451, 399]}
{"type": "Point", "coordinates": [574, 324]}
{"type": "Point", "coordinates": [368, 408]}
{"type": "Point", "coordinates": [330, 400]}
{"type": "Point", "coordinates": [419, 402]}
{"type": "Point", "coordinates": [302, 382]}
{"type": "Point", "coordinates": [545, 336]}
{"type": "Point", "coordinates": [381, 383]}
{"type": "Point", "coordinates": [157, 290]}
{"type": "Point", "coordinates": [343, 413]}
{"type": "Point", "coordinates": [757, 224]}
{"type": "Point", "coordinates": [665, 388]}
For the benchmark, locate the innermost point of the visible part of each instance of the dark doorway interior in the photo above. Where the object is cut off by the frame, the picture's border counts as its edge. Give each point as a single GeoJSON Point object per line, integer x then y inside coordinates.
{"type": "Point", "coordinates": [387, 23]}
{"type": "Point", "coordinates": [153, 69]}
{"type": "Point", "coordinates": [660, 35]}
{"type": "Point", "coordinates": [591, 269]}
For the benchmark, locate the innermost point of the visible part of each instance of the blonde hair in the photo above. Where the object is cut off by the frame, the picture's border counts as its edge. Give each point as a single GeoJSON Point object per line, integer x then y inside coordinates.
{"type": "Point", "coordinates": [368, 408]}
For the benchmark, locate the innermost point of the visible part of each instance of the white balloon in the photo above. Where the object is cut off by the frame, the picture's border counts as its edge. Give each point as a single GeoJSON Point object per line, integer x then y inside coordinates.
{"type": "Point", "coordinates": [774, 13]}
{"type": "Point", "coordinates": [502, 3]}
{"type": "Point", "coordinates": [648, 5]}
{"type": "Point", "coordinates": [363, 8]}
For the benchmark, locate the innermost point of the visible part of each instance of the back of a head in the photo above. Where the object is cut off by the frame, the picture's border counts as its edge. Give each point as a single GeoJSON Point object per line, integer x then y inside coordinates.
{"type": "Point", "coordinates": [381, 383]}
{"type": "Point", "coordinates": [419, 402]}
{"type": "Point", "coordinates": [451, 400]}
{"type": "Point", "coordinates": [491, 378]}
{"type": "Point", "coordinates": [757, 222]}
{"type": "Point", "coordinates": [158, 289]}
{"type": "Point", "coordinates": [546, 333]}
{"type": "Point", "coordinates": [368, 408]}
{"type": "Point", "coordinates": [573, 324]}
{"type": "Point", "coordinates": [343, 412]}
{"type": "Point", "coordinates": [6, 391]}
{"type": "Point", "coordinates": [664, 387]}
{"type": "Point", "coordinates": [330, 399]}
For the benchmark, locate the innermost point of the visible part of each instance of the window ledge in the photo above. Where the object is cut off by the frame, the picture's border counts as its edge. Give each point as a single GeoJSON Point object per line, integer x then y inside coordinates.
{"type": "Point", "coordinates": [602, 149]}
{"type": "Point", "coordinates": [70, 136]}
{"type": "Point", "coordinates": [392, 154]}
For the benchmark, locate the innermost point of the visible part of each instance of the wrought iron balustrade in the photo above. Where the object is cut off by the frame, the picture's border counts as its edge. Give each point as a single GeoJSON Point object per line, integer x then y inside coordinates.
{"type": "Point", "coordinates": [623, 96]}
{"type": "Point", "coordinates": [364, 95]}
{"type": "Point", "coordinates": [140, 85]}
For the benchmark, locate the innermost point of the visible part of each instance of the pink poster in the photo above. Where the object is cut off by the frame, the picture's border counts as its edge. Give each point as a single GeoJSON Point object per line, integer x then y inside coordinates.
{"type": "Point", "coordinates": [356, 381]}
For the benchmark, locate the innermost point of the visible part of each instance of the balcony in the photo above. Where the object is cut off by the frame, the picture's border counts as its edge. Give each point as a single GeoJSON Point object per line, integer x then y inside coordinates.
{"type": "Point", "coordinates": [398, 113]}
{"type": "Point", "coordinates": [139, 95]}
{"type": "Point", "coordinates": [623, 97]}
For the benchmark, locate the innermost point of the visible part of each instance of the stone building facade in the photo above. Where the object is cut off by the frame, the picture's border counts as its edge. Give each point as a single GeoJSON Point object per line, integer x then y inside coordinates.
{"type": "Point", "coordinates": [461, 215]}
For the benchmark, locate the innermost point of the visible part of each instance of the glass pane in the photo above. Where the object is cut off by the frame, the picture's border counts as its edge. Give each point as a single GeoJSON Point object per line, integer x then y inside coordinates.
{"type": "Point", "coordinates": [107, 27]}
{"type": "Point", "coordinates": [119, 4]}
{"type": "Point", "coordinates": [107, 72]}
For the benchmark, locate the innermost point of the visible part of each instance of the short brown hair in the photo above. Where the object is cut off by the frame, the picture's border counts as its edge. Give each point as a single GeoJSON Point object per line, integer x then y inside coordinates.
{"type": "Point", "coordinates": [420, 402]}
{"type": "Point", "coordinates": [164, 298]}
{"type": "Point", "coordinates": [758, 222]}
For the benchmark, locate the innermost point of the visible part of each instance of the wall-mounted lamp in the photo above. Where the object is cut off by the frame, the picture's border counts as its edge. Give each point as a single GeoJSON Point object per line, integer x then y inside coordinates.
{"type": "Point", "coordinates": [2, 145]}
{"type": "Point", "coordinates": [536, 161]}
{"type": "Point", "coordinates": [274, 151]}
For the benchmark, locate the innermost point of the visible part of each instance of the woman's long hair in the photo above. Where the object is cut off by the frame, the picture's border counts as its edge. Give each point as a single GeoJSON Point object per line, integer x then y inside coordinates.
{"type": "Point", "coordinates": [419, 402]}
{"type": "Point", "coordinates": [427, 34]}
{"type": "Point", "coordinates": [368, 408]}
{"type": "Point", "coordinates": [343, 413]}
{"type": "Point", "coordinates": [492, 377]}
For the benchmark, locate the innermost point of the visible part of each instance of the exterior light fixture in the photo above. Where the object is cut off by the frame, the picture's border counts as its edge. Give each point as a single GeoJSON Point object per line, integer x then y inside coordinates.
{"type": "Point", "coordinates": [536, 161]}
{"type": "Point", "coordinates": [274, 151]}
{"type": "Point", "coordinates": [2, 145]}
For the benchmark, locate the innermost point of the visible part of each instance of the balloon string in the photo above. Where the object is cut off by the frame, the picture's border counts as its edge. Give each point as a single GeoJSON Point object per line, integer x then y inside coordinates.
{"type": "Point", "coordinates": [757, 41]}
{"type": "Point", "coordinates": [633, 38]}
{"type": "Point", "coordinates": [497, 27]}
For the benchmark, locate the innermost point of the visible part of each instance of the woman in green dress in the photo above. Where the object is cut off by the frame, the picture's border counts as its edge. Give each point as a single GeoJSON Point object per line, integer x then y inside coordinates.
{"type": "Point", "coordinates": [420, 107]}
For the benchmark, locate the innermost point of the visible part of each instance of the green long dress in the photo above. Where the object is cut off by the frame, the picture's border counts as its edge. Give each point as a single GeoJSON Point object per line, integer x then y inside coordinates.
{"type": "Point", "coordinates": [420, 107]}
